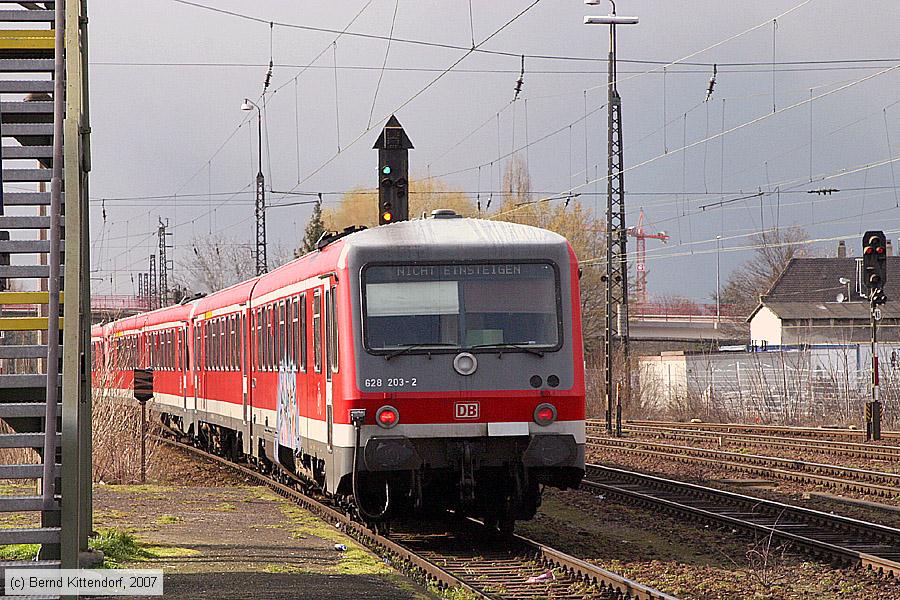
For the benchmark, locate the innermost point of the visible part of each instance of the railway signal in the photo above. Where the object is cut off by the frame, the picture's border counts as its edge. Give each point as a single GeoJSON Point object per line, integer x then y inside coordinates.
{"type": "Point", "coordinates": [393, 147]}
{"type": "Point", "coordinates": [875, 265]}
{"type": "Point", "coordinates": [874, 277]}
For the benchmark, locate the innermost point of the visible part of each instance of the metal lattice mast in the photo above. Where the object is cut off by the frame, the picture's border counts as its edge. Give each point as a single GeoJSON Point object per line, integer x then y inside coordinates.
{"type": "Point", "coordinates": [262, 265]}
{"type": "Point", "coordinates": [151, 288]}
{"type": "Point", "coordinates": [261, 262]}
{"type": "Point", "coordinates": [163, 262]}
{"type": "Point", "coordinates": [616, 245]}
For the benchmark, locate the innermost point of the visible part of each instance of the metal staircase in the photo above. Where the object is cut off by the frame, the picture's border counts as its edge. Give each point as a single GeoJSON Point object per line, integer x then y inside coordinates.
{"type": "Point", "coordinates": [44, 374]}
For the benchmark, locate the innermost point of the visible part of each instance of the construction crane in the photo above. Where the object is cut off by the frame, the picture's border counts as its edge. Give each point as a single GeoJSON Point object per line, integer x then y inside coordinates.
{"type": "Point", "coordinates": [641, 236]}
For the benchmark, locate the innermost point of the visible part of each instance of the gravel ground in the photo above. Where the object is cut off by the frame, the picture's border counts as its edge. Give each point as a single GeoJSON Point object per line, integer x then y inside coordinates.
{"type": "Point", "coordinates": [690, 561]}
{"type": "Point", "coordinates": [709, 473]}
{"type": "Point", "coordinates": [223, 538]}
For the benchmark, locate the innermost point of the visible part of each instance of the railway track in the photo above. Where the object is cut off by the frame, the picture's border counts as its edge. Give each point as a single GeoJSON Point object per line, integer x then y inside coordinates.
{"type": "Point", "coordinates": [782, 430]}
{"type": "Point", "coordinates": [468, 558]}
{"type": "Point", "coordinates": [827, 447]}
{"type": "Point", "coordinates": [858, 480]}
{"type": "Point", "coordinates": [824, 535]}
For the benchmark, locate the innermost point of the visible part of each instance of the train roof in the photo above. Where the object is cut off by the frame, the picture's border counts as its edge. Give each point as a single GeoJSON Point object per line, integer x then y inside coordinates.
{"type": "Point", "coordinates": [453, 231]}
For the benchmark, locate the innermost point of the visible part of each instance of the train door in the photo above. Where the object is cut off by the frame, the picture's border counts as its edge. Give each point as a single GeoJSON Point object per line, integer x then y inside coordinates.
{"type": "Point", "coordinates": [330, 359]}
{"type": "Point", "coordinates": [194, 365]}
{"type": "Point", "coordinates": [318, 364]}
{"type": "Point", "coordinates": [245, 351]}
{"type": "Point", "coordinates": [181, 363]}
{"type": "Point", "coordinates": [200, 374]}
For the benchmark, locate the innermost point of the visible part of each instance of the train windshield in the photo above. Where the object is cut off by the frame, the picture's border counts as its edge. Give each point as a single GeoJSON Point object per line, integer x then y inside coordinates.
{"type": "Point", "coordinates": [458, 306]}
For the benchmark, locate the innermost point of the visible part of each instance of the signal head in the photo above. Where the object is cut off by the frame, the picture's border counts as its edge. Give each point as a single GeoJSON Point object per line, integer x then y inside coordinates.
{"type": "Point", "coordinates": [386, 170]}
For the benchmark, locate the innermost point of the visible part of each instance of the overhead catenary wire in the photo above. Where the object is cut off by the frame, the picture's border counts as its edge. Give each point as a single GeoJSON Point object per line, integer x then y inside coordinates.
{"type": "Point", "coordinates": [421, 91]}
{"type": "Point", "coordinates": [474, 48]}
{"type": "Point", "coordinates": [737, 127]}
{"type": "Point", "coordinates": [387, 52]}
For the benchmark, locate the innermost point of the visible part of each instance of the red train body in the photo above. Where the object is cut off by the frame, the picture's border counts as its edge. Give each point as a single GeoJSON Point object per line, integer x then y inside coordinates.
{"type": "Point", "coordinates": [428, 364]}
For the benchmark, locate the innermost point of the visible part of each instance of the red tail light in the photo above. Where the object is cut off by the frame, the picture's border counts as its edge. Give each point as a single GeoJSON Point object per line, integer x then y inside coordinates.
{"type": "Point", "coordinates": [545, 414]}
{"type": "Point", "coordinates": [387, 417]}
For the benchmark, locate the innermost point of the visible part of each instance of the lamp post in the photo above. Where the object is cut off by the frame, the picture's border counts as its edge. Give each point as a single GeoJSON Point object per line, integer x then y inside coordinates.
{"type": "Point", "coordinates": [261, 262]}
{"type": "Point", "coordinates": [616, 276]}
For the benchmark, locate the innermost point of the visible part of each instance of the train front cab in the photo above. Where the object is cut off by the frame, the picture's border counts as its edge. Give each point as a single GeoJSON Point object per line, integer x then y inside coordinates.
{"type": "Point", "coordinates": [469, 370]}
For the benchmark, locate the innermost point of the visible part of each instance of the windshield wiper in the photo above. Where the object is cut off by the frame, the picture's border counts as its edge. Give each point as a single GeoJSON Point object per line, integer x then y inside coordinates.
{"type": "Point", "coordinates": [502, 345]}
{"type": "Point", "coordinates": [406, 349]}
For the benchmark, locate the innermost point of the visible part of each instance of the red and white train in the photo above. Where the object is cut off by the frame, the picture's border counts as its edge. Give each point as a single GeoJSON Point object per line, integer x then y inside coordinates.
{"type": "Point", "coordinates": [428, 364]}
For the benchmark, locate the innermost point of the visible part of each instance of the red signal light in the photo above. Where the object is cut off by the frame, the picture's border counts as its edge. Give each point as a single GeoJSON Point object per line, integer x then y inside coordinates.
{"type": "Point", "coordinates": [545, 414]}
{"type": "Point", "coordinates": [387, 216]}
{"type": "Point", "coordinates": [879, 250]}
{"type": "Point", "coordinates": [868, 250]}
{"type": "Point", "coordinates": [387, 416]}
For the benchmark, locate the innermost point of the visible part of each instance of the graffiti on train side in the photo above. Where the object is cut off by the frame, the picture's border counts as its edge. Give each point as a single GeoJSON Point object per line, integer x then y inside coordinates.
{"type": "Point", "coordinates": [287, 421]}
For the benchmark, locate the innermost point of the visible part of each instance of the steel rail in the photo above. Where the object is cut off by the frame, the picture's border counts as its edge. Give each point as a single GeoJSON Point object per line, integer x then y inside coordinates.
{"type": "Point", "coordinates": [819, 432]}
{"type": "Point", "coordinates": [422, 568]}
{"type": "Point", "coordinates": [834, 448]}
{"type": "Point", "coordinates": [874, 546]}
{"type": "Point", "coordinates": [869, 482]}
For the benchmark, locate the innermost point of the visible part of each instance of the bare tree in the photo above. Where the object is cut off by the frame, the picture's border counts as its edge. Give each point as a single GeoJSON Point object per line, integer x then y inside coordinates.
{"type": "Point", "coordinates": [775, 248]}
{"type": "Point", "coordinates": [516, 180]}
{"type": "Point", "coordinates": [215, 262]}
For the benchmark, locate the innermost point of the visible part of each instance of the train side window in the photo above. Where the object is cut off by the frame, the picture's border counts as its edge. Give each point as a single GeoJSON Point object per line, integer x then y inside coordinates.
{"type": "Point", "coordinates": [239, 336]}
{"type": "Point", "coordinates": [282, 334]}
{"type": "Point", "coordinates": [279, 347]}
{"type": "Point", "coordinates": [317, 331]}
{"type": "Point", "coordinates": [232, 330]}
{"type": "Point", "coordinates": [288, 334]}
{"type": "Point", "coordinates": [333, 340]}
{"type": "Point", "coordinates": [329, 327]}
{"type": "Point", "coordinates": [258, 340]}
{"type": "Point", "coordinates": [222, 338]}
{"type": "Point", "coordinates": [230, 354]}
{"type": "Point", "coordinates": [271, 337]}
{"type": "Point", "coordinates": [170, 354]}
{"type": "Point", "coordinates": [265, 338]}
{"type": "Point", "coordinates": [233, 352]}
{"type": "Point", "coordinates": [301, 317]}
{"type": "Point", "coordinates": [277, 338]}
{"type": "Point", "coordinates": [226, 343]}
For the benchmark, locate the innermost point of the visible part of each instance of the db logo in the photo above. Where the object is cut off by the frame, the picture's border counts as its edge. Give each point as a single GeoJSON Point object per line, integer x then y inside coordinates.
{"type": "Point", "coordinates": [466, 410]}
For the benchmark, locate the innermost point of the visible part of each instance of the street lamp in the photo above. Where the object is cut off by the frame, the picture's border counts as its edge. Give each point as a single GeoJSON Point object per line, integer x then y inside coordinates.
{"type": "Point", "coordinates": [616, 232]}
{"type": "Point", "coordinates": [261, 262]}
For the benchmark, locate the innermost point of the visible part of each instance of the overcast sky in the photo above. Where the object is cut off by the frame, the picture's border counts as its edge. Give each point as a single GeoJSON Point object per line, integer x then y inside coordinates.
{"type": "Point", "coordinates": [167, 81]}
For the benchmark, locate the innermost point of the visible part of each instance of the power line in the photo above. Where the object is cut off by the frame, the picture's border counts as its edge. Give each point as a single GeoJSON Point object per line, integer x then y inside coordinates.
{"type": "Point", "coordinates": [476, 48]}
{"type": "Point", "coordinates": [849, 65]}
{"type": "Point", "coordinates": [418, 93]}
{"type": "Point", "coordinates": [721, 134]}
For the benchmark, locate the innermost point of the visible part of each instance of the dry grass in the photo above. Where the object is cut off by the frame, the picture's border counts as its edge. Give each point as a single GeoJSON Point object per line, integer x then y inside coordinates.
{"type": "Point", "coordinates": [117, 433]}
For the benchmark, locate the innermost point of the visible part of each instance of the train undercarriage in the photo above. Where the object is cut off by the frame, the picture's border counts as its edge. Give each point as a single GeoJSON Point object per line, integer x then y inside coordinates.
{"type": "Point", "coordinates": [494, 480]}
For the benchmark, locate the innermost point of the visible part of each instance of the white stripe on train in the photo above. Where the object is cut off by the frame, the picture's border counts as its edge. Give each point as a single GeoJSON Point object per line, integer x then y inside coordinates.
{"type": "Point", "coordinates": [345, 437]}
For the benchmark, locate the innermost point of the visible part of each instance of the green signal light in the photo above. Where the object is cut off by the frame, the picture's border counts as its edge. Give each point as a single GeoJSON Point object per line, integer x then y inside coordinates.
{"type": "Point", "coordinates": [386, 170]}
